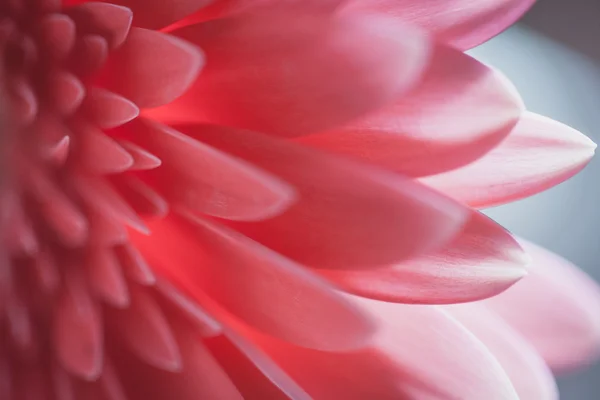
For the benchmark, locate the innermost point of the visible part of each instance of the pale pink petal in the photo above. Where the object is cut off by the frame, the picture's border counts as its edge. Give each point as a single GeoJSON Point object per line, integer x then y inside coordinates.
{"type": "Point", "coordinates": [418, 353]}
{"type": "Point", "coordinates": [461, 23]}
{"type": "Point", "coordinates": [526, 369]}
{"type": "Point", "coordinates": [254, 373]}
{"type": "Point", "coordinates": [259, 286]}
{"type": "Point", "coordinates": [151, 68]}
{"type": "Point", "coordinates": [289, 72]}
{"type": "Point", "coordinates": [460, 111]}
{"type": "Point", "coordinates": [207, 180]}
{"type": "Point", "coordinates": [556, 308]}
{"type": "Point", "coordinates": [539, 153]}
{"type": "Point", "coordinates": [347, 215]}
{"type": "Point", "coordinates": [482, 261]}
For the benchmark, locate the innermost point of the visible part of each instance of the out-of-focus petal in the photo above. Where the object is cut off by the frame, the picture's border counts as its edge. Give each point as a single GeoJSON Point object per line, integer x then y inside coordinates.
{"type": "Point", "coordinates": [539, 153]}
{"type": "Point", "coordinates": [259, 286]}
{"type": "Point", "coordinates": [224, 8]}
{"type": "Point", "coordinates": [201, 376]}
{"type": "Point", "coordinates": [290, 72]}
{"type": "Point", "coordinates": [460, 111]}
{"type": "Point", "coordinates": [151, 68]}
{"type": "Point", "coordinates": [461, 23]}
{"type": "Point", "coordinates": [482, 261]}
{"type": "Point", "coordinates": [415, 355]}
{"type": "Point", "coordinates": [528, 372]}
{"type": "Point", "coordinates": [110, 21]}
{"type": "Point", "coordinates": [556, 308]}
{"type": "Point", "coordinates": [156, 14]}
{"type": "Point", "coordinates": [346, 215]}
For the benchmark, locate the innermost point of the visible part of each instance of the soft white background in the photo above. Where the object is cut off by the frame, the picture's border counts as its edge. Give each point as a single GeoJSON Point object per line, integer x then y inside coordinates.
{"type": "Point", "coordinates": [553, 57]}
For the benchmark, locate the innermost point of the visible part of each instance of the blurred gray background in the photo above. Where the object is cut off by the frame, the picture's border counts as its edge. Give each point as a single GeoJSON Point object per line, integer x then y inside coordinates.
{"type": "Point", "coordinates": [553, 57]}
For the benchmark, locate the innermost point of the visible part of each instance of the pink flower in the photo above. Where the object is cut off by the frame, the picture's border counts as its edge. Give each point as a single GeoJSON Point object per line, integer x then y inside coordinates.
{"type": "Point", "coordinates": [246, 199]}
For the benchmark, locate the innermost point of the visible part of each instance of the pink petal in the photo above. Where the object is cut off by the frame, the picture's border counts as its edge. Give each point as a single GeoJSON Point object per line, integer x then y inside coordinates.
{"type": "Point", "coordinates": [57, 35]}
{"type": "Point", "coordinates": [64, 389]}
{"type": "Point", "coordinates": [460, 111]}
{"type": "Point", "coordinates": [254, 284]}
{"type": "Point", "coordinates": [90, 54]}
{"type": "Point", "coordinates": [106, 277]}
{"type": "Point", "coordinates": [144, 200]}
{"type": "Point", "coordinates": [151, 68]}
{"type": "Point", "coordinates": [99, 153]}
{"type": "Point", "coordinates": [46, 273]}
{"type": "Point", "coordinates": [58, 211]}
{"type": "Point", "coordinates": [103, 198]}
{"type": "Point", "coordinates": [201, 377]}
{"type": "Point", "coordinates": [108, 20]}
{"type": "Point", "coordinates": [528, 372]}
{"type": "Point", "coordinates": [255, 374]}
{"type": "Point", "coordinates": [145, 331]}
{"type": "Point", "coordinates": [65, 92]}
{"type": "Point", "coordinates": [78, 335]}
{"type": "Point", "coordinates": [419, 353]}
{"type": "Point", "coordinates": [156, 14]}
{"type": "Point", "coordinates": [249, 380]}
{"type": "Point", "coordinates": [289, 72]}
{"type": "Point", "coordinates": [107, 109]}
{"type": "Point", "coordinates": [538, 154]}
{"type": "Point", "coordinates": [104, 230]}
{"type": "Point", "coordinates": [142, 159]}
{"type": "Point", "coordinates": [134, 265]}
{"type": "Point", "coordinates": [482, 261]}
{"type": "Point", "coordinates": [207, 180]}
{"type": "Point", "coordinates": [223, 8]}
{"type": "Point", "coordinates": [461, 23]}
{"type": "Point", "coordinates": [556, 308]}
{"type": "Point", "coordinates": [204, 324]}
{"type": "Point", "coordinates": [347, 215]}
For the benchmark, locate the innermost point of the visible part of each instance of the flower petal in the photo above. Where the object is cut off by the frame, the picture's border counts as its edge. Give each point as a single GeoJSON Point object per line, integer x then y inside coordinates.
{"type": "Point", "coordinates": [145, 331]}
{"type": "Point", "coordinates": [528, 372]}
{"type": "Point", "coordinates": [156, 14]}
{"type": "Point", "coordinates": [539, 153]}
{"type": "Point", "coordinates": [290, 72]}
{"type": "Point", "coordinates": [461, 23]}
{"type": "Point", "coordinates": [264, 289]}
{"type": "Point", "coordinates": [224, 8]}
{"type": "Point", "coordinates": [460, 111]}
{"type": "Point", "coordinates": [78, 333]}
{"type": "Point", "coordinates": [151, 68]}
{"type": "Point", "coordinates": [201, 377]}
{"type": "Point", "coordinates": [207, 180]}
{"type": "Point", "coordinates": [107, 109]}
{"type": "Point", "coordinates": [482, 261]}
{"type": "Point", "coordinates": [419, 353]}
{"type": "Point", "coordinates": [254, 373]}
{"type": "Point", "coordinates": [556, 308]}
{"type": "Point", "coordinates": [108, 20]}
{"type": "Point", "coordinates": [346, 215]}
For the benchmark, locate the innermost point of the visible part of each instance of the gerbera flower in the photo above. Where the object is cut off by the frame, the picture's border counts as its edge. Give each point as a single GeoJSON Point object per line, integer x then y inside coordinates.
{"type": "Point", "coordinates": [232, 200]}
